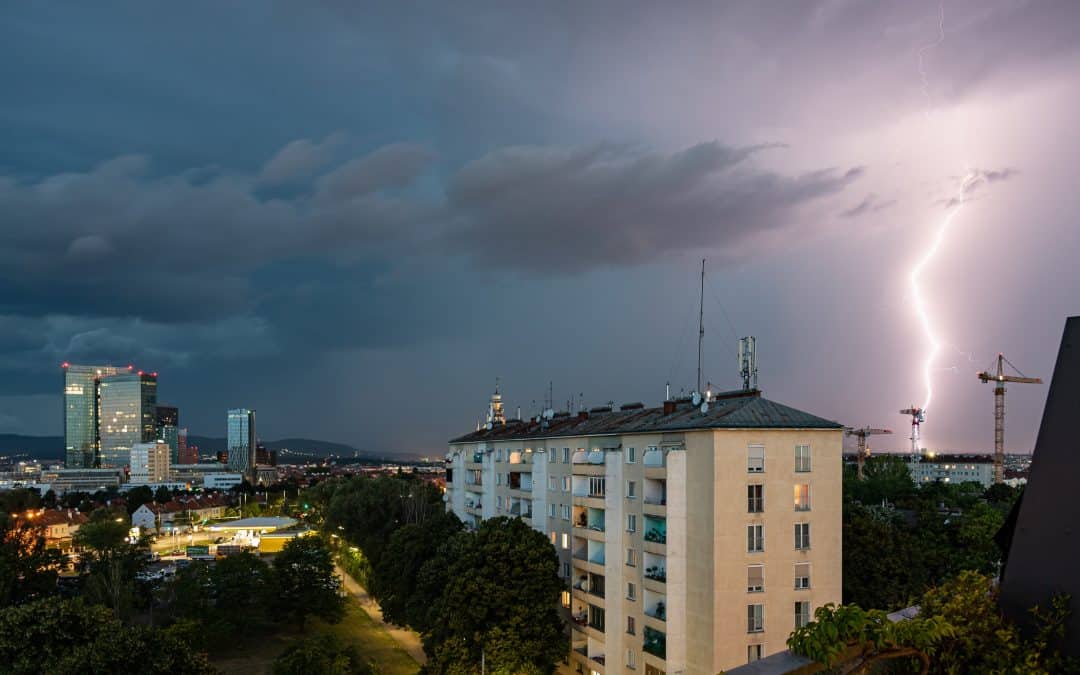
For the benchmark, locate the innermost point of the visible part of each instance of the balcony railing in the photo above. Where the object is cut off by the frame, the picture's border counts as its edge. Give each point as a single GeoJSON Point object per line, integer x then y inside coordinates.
{"type": "Point", "coordinates": [656, 574]}
{"type": "Point", "coordinates": [653, 458]}
{"type": "Point", "coordinates": [656, 501]}
{"type": "Point", "coordinates": [655, 642]}
{"type": "Point", "coordinates": [656, 535]}
{"type": "Point", "coordinates": [657, 611]}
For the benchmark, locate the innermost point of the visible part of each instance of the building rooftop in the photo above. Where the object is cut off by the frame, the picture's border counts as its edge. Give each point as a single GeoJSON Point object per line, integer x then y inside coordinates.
{"type": "Point", "coordinates": [957, 459]}
{"type": "Point", "coordinates": [262, 522]}
{"type": "Point", "coordinates": [732, 410]}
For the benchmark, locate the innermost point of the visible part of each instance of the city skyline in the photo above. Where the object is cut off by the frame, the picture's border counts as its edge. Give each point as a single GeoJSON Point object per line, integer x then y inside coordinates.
{"type": "Point", "coordinates": [469, 200]}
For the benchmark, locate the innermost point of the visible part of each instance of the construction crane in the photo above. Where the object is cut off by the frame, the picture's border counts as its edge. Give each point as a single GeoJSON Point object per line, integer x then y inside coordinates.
{"type": "Point", "coordinates": [918, 416]}
{"type": "Point", "coordinates": [999, 379]}
{"type": "Point", "coordinates": [863, 451]}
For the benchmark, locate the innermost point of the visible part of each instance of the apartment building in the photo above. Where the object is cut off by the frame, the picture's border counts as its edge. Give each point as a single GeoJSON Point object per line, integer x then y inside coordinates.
{"type": "Point", "coordinates": [693, 537]}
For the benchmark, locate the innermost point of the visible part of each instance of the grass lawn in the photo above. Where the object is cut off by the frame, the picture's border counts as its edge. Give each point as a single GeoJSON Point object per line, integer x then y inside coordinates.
{"type": "Point", "coordinates": [370, 639]}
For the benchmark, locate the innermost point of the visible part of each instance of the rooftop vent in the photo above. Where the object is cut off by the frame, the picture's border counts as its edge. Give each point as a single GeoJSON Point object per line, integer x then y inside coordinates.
{"type": "Point", "coordinates": [601, 409]}
{"type": "Point", "coordinates": [632, 406]}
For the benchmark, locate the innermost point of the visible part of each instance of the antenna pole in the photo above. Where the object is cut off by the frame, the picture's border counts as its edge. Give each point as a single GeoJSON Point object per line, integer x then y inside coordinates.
{"type": "Point", "coordinates": [701, 324]}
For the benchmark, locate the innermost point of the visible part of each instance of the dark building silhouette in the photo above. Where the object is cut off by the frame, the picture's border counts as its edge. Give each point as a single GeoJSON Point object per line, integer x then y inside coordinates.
{"type": "Point", "coordinates": [1044, 542]}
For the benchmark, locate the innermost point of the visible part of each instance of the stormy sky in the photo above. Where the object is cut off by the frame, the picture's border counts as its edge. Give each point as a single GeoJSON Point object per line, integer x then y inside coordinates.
{"type": "Point", "coordinates": [354, 218]}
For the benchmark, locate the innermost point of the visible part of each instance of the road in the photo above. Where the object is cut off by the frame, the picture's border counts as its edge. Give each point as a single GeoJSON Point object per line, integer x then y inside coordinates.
{"type": "Point", "coordinates": [409, 640]}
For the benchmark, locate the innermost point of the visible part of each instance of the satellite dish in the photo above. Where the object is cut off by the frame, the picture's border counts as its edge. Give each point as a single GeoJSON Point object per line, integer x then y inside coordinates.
{"type": "Point", "coordinates": [697, 398]}
{"type": "Point", "coordinates": [704, 408]}
{"type": "Point", "coordinates": [488, 426]}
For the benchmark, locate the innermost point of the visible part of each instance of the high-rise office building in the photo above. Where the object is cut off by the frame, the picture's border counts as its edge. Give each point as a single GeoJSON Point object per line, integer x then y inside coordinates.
{"type": "Point", "coordinates": [150, 463]}
{"type": "Point", "coordinates": [692, 537]}
{"type": "Point", "coordinates": [241, 441]}
{"type": "Point", "coordinates": [167, 428]}
{"type": "Point", "coordinates": [82, 406]}
{"type": "Point", "coordinates": [128, 415]}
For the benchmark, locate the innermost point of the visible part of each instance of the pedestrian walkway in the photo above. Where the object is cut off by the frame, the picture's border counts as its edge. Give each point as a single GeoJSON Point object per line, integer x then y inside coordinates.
{"type": "Point", "coordinates": [409, 640]}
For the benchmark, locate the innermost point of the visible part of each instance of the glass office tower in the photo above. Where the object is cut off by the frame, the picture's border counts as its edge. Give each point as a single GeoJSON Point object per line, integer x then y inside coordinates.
{"type": "Point", "coordinates": [82, 404]}
{"type": "Point", "coordinates": [128, 415]}
{"type": "Point", "coordinates": [241, 430]}
{"type": "Point", "coordinates": [167, 428]}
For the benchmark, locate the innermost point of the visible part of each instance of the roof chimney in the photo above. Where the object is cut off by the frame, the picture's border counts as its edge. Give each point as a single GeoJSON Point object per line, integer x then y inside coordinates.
{"type": "Point", "coordinates": [583, 415]}
{"type": "Point", "coordinates": [669, 407]}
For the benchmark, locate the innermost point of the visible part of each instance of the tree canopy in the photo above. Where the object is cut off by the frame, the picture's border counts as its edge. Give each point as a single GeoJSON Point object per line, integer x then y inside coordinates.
{"type": "Point", "coordinates": [27, 568]}
{"type": "Point", "coordinates": [305, 581]}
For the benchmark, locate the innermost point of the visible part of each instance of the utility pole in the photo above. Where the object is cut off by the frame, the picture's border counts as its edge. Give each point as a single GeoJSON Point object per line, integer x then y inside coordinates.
{"type": "Point", "coordinates": [701, 325]}
{"type": "Point", "coordinates": [999, 379]}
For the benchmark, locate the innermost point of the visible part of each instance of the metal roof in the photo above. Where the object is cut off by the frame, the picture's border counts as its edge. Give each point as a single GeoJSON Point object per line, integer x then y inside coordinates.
{"type": "Point", "coordinates": [733, 410]}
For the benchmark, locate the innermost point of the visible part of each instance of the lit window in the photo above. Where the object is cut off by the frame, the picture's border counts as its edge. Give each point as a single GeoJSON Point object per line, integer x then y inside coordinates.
{"type": "Point", "coordinates": [566, 598]}
{"type": "Point", "coordinates": [565, 541]}
{"type": "Point", "coordinates": [802, 497]}
{"type": "Point", "coordinates": [802, 458]}
{"type": "Point", "coordinates": [755, 460]}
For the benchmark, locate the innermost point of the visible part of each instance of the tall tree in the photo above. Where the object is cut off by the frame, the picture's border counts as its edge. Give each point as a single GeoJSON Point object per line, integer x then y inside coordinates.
{"type": "Point", "coordinates": [27, 568]}
{"type": "Point", "coordinates": [494, 592]}
{"type": "Point", "coordinates": [305, 581]}
{"type": "Point", "coordinates": [321, 655]}
{"type": "Point", "coordinates": [394, 581]}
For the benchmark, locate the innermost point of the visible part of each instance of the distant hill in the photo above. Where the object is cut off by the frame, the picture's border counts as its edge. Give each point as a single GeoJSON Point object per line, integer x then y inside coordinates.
{"type": "Point", "coordinates": [52, 447]}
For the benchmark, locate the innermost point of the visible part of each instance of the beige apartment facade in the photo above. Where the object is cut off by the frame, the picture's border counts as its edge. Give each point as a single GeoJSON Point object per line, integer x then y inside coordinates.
{"type": "Point", "coordinates": [692, 538]}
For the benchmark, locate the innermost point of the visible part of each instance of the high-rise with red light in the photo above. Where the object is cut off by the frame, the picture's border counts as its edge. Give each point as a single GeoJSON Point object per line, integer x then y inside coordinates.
{"type": "Point", "coordinates": [82, 407]}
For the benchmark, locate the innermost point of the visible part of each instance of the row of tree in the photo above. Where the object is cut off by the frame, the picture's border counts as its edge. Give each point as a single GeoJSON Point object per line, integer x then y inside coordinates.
{"type": "Point", "coordinates": [904, 540]}
{"type": "Point", "coordinates": [490, 594]}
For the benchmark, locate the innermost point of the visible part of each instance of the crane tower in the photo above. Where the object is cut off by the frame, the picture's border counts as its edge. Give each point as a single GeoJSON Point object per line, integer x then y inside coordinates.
{"type": "Point", "coordinates": [999, 378]}
{"type": "Point", "coordinates": [918, 416]}
{"type": "Point", "coordinates": [863, 451]}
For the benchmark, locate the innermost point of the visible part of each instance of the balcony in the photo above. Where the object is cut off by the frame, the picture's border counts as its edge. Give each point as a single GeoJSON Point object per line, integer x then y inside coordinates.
{"type": "Point", "coordinates": [521, 481]}
{"type": "Point", "coordinates": [656, 529]}
{"type": "Point", "coordinates": [656, 491]}
{"type": "Point", "coordinates": [655, 567]}
{"type": "Point", "coordinates": [654, 458]}
{"type": "Point", "coordinates": [655, 605]}
{"type": "Point", "coordinates": [590, 583]}
{"type": "Point", "coordinates": [589, 518]}
{"type": "Point", "coordinates": [588, 457]}
{"type": "Point", "coordinates": [519, 457]}
{"type": "Point", "coordinates": [655, 642]}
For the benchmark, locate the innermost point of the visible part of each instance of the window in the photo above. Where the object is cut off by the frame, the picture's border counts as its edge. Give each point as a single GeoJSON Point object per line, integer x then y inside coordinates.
{"type": "Point", "coordinates": [597, 486]}
{"type": "Point", "coordinates": [566, 570]}
{"type": "Point", "coordinates": [631, 489]}
{"type": "Point", "coordinates": [629, 658]}
{"type": "Point", "coordinates": [498, 479]}
{"type": "Point", "coordinates": [566, 455]}
{"type": "Point", "coordinates": [553, 483]}
{"type": "Point", "coordinates": [565, 511]}
{"type": "Point", "coordinates": [631, 455]}
{"type": "Point", "coordinates": [802, 458]}
{"type": "Point", "coordinates": [755, 538]}
{"type": "Point", "coordinates": [596, 617]}
{"type": "Point", "coordinates": [802, 497]}
{"type": "Point", "coordinates": [755, 579]}
{"type": "Point", "coordinates": [755, 498]}
{"type": "Point", "coordinates": [755, 461]}
{"type": "Point", "coordinates": [566, 483]}
{"type": "Point", "coordinates": [566, 599]}
{"type": "Point", "coordinates": [755, 618]}
{"type": "Point", "coordinates": [551, 510]}
{"type": "Point", "coordinates": [553, 455]}
{"type": "Point", "coordinates": [498, 455]}
{"type": "Point", "coordinates": [631, 557]}
{"type": "Point", "coordinates": [802, 575]}
{"type": "Point", "coordinates": [630, 625]}
{"type": "Point", "coordinates": [753, 653]}
{"type": "Point", "coordinates": [631, 591]}
{"type": "Point", "coordinates": [565, 541]}
{"type": "Point", "coordinates": [631, 523]}
{"type": "Point", "coordinates": [802, 536]}
{"type": "Point", "coordinates": [554, 538]}
{"type": "Point", "coordinates": [802, 613]}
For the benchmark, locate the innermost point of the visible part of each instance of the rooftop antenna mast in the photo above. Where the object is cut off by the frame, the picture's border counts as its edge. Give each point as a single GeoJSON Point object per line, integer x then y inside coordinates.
{"type": "Point", "coordinates": [701, 324]}
{"type": "Point", "coordinates": [748, 362]}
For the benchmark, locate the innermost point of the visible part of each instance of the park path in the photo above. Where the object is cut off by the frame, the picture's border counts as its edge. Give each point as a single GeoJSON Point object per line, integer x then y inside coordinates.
{"type": "Point", "coordinates": [409, 640]}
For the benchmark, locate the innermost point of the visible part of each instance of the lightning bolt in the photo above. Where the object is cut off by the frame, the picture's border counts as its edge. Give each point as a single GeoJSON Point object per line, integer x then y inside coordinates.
{"type": "Point", "coordinates": [922, 55]}
{"type": "Point", "coordinates": [916, 292]}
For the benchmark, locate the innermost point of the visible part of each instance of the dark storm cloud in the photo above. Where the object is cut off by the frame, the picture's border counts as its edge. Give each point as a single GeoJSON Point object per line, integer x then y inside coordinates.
{"type": "Point", "coordinates": [174, 248]}
{"type": "Point", "coordinates": [562, 209]}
